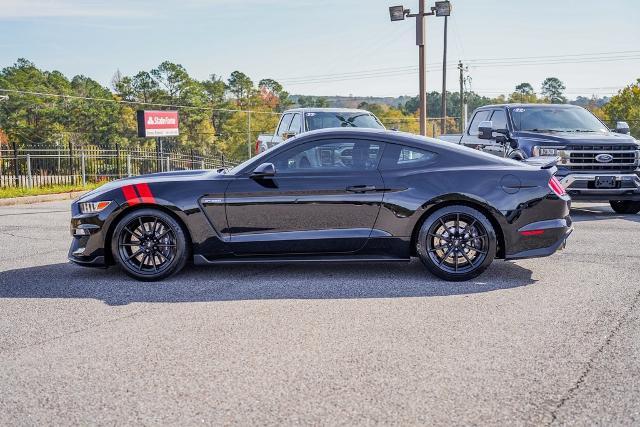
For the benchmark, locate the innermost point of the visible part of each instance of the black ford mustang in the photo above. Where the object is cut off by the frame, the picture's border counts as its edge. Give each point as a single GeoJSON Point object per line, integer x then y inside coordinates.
{"type": "Point", "coordinates": [329, 195]}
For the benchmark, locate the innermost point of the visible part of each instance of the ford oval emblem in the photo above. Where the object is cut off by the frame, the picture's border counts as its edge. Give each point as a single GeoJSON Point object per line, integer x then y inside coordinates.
{"type": "Point", "coordinates": [604, 158]}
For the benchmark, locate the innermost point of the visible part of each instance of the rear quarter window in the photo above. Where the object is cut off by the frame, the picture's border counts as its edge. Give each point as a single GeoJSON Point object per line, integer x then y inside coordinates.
{"type": "Point", "coordinates": [405, 157]}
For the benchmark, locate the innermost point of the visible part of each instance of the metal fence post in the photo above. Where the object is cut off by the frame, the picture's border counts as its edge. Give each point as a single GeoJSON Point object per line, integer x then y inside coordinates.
{"type": "Point", "coordinates": [129, 164]}
{"type": "Point", "coordinates": [202, 164]}
{"type": "Point", "coordinates": [71, 165]}
{"type": "Point", "coordinates": [29, 177]}
{"type": "Point", "coordinates": [249, 132]}
{"type": "Point", "coordinates": [84, 176]}
{"type": "Point", "coordinates": [118, 159]}
{"type": "Point", "coordinates": [16, 170]}
{"type": "Point", "coordinates": [168, 164]}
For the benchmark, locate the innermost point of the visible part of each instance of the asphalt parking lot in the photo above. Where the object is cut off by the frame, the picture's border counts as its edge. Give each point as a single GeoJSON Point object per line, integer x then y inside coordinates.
{"type": "Point", "coordinates": [543, 341]}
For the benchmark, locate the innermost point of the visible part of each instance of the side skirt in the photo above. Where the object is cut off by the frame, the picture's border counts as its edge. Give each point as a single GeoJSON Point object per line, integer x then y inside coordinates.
{"type": "Point", "coordinates": [201, 260]}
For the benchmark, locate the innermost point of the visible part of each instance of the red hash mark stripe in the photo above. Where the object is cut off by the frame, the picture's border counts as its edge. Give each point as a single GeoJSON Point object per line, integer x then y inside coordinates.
{"type": "Point", "coordinates": [130, 195]}
{"type": "Point", "coordinates": [145, 193]}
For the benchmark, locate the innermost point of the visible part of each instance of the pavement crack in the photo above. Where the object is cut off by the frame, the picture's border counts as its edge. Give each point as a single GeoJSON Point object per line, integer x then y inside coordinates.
{"type": "Point", "coordinates": [589, 366]}
{"type": "Point", "coordinates": [76, 331]}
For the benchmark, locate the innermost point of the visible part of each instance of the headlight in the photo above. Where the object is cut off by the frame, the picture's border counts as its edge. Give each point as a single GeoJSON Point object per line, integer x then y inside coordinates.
{"type": "Point", "coordinates": [93, 207]}
{"type": "Point", "coordinates": [544, 151]}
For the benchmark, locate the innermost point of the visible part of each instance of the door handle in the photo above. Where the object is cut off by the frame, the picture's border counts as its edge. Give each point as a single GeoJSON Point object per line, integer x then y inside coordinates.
{"type": "Point", "coordinates": [361, 188]}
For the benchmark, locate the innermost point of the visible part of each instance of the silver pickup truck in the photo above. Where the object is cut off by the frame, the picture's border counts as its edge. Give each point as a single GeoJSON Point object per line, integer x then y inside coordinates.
{"type": "Point", "coordinates": [300, 120]}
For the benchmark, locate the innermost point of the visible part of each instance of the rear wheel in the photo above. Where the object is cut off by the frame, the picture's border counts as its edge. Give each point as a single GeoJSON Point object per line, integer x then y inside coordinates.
{"type": "Point", "coordinates": [456, 243]}
{"type": "Point", "coordinates": [149, 245]}
{"type": "Point", "coordinates": [625, 206]}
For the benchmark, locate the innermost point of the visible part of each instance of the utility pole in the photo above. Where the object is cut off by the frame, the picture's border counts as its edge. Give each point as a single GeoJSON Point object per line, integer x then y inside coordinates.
{"type": "Point", "coordinates": [461, 69]}
{"type": "Point", "coordinates": [443, 109]}
{"type": "Point", "coordinates": [422, 61]}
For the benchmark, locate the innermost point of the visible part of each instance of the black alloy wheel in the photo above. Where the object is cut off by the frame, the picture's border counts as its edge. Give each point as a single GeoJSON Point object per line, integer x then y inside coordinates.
{"type": "Point", "coordinates": [456, 243]}
{"type": "Point", "coordinates": [149, 245]}
{"type": "Point", "coordinates": [625, 206]}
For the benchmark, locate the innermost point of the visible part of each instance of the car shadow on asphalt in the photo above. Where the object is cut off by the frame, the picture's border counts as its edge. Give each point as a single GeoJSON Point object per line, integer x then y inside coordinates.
{"type": "Point", "coordinates": [600, 213]}
{"type": "Point", "coordinates": [254, 282]}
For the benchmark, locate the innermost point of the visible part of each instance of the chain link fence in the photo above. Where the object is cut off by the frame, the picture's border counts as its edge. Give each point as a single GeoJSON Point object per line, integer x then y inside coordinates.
{"type": "Point", "coordinates": [41, 167]}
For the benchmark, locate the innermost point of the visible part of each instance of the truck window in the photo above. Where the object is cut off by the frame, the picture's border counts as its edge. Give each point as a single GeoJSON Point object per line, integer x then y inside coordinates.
{"type": "Point", "coordinates": [499, 119]}
{"type": "Point", "coordinates": [480, 116]}
{"type": "Point", "coordinates": [296, 124]}
{"type": "Point", "coordinates": [284, 124]}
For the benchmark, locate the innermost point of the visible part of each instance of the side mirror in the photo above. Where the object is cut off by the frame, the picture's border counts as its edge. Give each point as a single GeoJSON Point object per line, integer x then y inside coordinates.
{"type": "Point", "coordinates": [485, 130]}
{"type": "Point", "coordinates": [265, 170]}
{"type": "Point", "coordinates": [287, 135]}
{"type": "Point", "coordinates": [622, 127]}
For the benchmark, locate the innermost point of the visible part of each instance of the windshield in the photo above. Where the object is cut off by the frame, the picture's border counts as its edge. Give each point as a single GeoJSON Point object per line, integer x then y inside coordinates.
{"type": "Point", "coordinates": [555, 119]}
{"type": "Point", "coordinates": [323, 120]}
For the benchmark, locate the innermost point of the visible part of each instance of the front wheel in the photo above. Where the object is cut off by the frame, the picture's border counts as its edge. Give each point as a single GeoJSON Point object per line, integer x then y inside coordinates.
{"type": "Point", "coordinates": [625, 206]}
{"type": "Point", "coordinates": [149, 245]}
{"type": "Point", "coordinates": [456, 243]}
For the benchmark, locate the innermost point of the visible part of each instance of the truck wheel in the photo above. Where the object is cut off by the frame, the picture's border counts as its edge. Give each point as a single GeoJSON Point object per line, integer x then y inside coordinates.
{"type": "Point", "coordinates": [456, 243]}
{"type": "Point", "coordinates": [625, 206]}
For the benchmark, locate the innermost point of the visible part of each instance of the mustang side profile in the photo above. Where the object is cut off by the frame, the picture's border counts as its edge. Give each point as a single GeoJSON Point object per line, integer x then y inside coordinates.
{"type": "Point", "coordinates": [330, 195]}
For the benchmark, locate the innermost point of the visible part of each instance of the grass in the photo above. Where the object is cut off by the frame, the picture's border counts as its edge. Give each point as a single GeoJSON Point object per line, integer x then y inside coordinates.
{"type": "Point", "coordinates": [36, 191]}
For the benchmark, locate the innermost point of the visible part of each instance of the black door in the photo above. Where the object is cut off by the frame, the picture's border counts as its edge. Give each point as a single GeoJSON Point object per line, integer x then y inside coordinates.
{"type": "Point", "coordinates": [324, 198]}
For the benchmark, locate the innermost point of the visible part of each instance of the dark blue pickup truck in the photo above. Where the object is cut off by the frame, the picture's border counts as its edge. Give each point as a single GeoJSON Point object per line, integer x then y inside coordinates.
{"type": "Point", "coordinates": [594, 162]}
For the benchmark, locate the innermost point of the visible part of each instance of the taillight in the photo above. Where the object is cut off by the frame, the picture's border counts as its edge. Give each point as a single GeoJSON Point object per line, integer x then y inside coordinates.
{"type": "Point", "coordinates": [556, 187]}
{"type": "Point", "coordinates": [257, 146]}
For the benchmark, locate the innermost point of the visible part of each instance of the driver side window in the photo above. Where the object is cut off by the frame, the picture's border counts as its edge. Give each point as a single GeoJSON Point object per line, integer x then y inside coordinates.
{"type": "Point", "coordinates": [330, 155]}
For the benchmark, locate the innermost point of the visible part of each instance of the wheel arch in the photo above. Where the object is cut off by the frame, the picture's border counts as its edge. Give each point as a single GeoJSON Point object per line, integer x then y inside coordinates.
{"type": "Point", "coordinates": [116, 220]}
{"type": "Point", "coordinates": [475, 204]}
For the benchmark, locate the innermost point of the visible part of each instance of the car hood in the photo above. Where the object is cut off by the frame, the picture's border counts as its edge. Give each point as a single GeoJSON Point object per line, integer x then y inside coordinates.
{"type": "Point", "coordinates": [578, 138]}
{"type": "Point", "coordinates": [185, 175]}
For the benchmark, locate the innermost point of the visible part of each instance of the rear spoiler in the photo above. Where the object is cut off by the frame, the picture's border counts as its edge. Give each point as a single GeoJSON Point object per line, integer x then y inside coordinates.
{"type": "Point", "coordinates": [543, 162]}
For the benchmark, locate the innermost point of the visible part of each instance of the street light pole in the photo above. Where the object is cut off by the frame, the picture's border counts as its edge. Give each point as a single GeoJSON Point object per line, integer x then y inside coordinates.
{"type": "Point", "coordinates": [443, 104]}
{"type": "Point", "coordinates": [398, 13]}
{"type": "Point", "coordinates": [422, 61]}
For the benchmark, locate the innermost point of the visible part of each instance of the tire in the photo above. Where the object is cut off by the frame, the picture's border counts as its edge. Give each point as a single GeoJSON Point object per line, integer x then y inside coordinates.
{"type": "Point", "coordinates": [149, 245]}
{"type": "Point", "coordinates": [456, 243]}
{"type": "Point", "coordinates": [625, 206]}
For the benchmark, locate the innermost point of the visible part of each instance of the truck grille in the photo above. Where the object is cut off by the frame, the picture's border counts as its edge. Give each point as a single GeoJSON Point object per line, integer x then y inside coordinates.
{"type": "Point", "coordinates": [583, 158]}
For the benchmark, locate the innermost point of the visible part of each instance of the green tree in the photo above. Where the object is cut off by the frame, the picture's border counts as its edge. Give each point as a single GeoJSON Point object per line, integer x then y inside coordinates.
{"type": "Point", "coordinates": [143, 87]}
{"type": "Point", "coordinates": [241, 87]}
{"type": "Point", "coordinates": [312, 101]}
{"type": "Point", "coordinates": [523, 93]}
{"type": "Point", "coordinates": [553, 90]}
{"type": "Point", "coordinates": [625, 106]}
{"type": "Point", "coordinates": [274, 94]}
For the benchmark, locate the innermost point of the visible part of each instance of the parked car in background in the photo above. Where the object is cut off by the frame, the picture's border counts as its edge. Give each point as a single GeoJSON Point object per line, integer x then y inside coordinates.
{"type": "Point", "coordinates": [595, 163]}
{"type": "Point", "coordinates": [299, 120]}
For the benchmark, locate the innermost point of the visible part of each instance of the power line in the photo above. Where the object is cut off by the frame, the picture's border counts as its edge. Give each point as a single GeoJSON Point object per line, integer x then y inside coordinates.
{"type": "Point", "coordinates": [120, 101]}
{"type": "Point", "coordinates": [478, 63]}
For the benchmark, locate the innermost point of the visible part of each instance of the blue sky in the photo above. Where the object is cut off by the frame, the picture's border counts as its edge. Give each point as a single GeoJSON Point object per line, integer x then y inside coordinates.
{"type": "Point", "coordinates": [332, 47]}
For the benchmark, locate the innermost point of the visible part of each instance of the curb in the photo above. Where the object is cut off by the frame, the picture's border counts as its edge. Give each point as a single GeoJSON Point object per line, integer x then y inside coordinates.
{"type": "Point", "coordinates": [27, 200]}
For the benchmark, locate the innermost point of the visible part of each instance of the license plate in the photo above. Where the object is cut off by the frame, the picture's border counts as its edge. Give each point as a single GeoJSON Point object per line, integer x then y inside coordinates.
{"type": "Point", "coordinates": [605, 182]}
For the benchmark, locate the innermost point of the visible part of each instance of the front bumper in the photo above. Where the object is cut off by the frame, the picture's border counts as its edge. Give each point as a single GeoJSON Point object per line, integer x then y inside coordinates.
{"type": "Point", "coordinates": [89, 232]}
{"type": "Point", "coordinates": [583, 187]}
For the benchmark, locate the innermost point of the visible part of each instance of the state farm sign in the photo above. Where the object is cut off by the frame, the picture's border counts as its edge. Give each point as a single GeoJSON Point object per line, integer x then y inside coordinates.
{"type": "Point", "coordinates": [157, 123]}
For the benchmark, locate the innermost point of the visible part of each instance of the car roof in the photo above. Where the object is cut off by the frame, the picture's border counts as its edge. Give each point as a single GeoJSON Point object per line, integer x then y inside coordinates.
{"type": "Point", "coordinates": [325, 110]}
{"type": "Point", "coordinates": [521, 105]}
